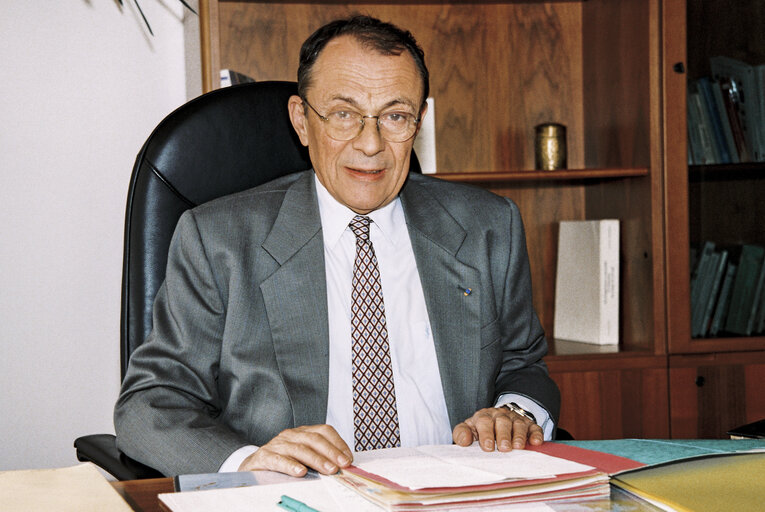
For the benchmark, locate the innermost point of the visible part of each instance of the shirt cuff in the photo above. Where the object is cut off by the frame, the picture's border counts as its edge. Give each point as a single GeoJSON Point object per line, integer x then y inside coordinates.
{"type": "Point", "coordinates": [232, 463]}
{"type": "Point", "coordinates": [539, 412]}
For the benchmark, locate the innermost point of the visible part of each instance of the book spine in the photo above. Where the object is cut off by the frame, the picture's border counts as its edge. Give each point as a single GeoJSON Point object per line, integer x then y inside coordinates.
{"type": "Point", "coordinates": [759, 72]}
{"type": "Point", "coordinates": [609, 285]}
{"type": "Point", "coordinates": [729, 96]}
{"type": "Point", "coordinates": [742, 78]}
{"type": "Point", "coordinates": [695, 145]}
{"type": "Point", "coordinates": [755, 302]}
{"type": "Point", "coordinates": [714, 120]}
{"type": "Point", "coordinates": [704, 129]}
{"type": "Point", "coordinates": [722, 303]}
{"type": "Point", "coordinates": [704, 288]}
{"type": "Point", "coordinates": [744, 289]}
{"type": "Point", "coordinates": [713, 294]}
{"type": "Point", "coordinates": [724, 122]}
{"type": "Point", "coordinates": [698, 276]}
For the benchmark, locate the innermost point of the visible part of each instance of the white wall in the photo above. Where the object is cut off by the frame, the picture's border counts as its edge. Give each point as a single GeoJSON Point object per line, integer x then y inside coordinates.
{"type": "Point", "coordinates": [82, 84]}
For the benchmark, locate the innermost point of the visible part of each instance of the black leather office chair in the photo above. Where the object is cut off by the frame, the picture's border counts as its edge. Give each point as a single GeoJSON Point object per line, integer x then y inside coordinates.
{"type": "Point", "coordinates": [222, 142]}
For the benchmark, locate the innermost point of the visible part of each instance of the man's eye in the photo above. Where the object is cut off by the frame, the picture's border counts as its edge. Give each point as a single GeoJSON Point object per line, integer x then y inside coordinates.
{"type": "Point", "coordinates": [396, 117]}
{"type": "Point", "coordinates": [342, 115]}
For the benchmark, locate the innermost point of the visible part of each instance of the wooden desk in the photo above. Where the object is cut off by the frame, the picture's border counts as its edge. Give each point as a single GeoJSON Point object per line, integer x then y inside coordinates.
{"type": "Point", "coordinates": [142, 494]}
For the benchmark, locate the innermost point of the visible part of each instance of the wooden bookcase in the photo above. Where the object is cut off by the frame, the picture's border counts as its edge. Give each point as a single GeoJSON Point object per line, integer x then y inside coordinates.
{"type": "Point", "coordinates": [715, 383]}
{"type": "Point", "coordinates": [497, 70]}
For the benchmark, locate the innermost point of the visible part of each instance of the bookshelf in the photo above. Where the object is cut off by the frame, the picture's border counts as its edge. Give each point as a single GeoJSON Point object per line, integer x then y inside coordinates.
{"type": "Point", "coordinates": [497, 70]}
{"type": "Point", "coordinates": [713, 381]}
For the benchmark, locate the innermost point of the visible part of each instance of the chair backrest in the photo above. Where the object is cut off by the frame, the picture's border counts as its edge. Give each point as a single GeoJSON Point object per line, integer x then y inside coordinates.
{"type": "Point", "coordinates": [222, 142]}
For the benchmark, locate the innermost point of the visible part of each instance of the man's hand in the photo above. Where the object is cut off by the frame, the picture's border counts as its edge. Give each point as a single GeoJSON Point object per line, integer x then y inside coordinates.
{"type": "Point", "coordinates": [498, 424]}
{"type": "Point", "coordinates": [295, 450]}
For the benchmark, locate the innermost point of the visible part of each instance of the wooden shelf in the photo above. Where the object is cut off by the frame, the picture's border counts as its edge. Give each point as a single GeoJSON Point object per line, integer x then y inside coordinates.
{"type": "Point", "coordinates": [562, 175]}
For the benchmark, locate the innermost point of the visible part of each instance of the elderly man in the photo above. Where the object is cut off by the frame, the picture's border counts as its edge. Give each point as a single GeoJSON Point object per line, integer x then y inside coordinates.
{"type": "Point", "coordinates": [353, 306]}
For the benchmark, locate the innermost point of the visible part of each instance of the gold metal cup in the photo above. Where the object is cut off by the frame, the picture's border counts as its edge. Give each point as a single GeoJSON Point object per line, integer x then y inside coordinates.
{"type": "Point", "coordinates": [550, 147]}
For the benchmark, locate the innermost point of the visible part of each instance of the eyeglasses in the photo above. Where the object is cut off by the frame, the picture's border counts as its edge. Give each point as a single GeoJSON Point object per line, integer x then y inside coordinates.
{"type": "Point", "coordinates": [345, 125]}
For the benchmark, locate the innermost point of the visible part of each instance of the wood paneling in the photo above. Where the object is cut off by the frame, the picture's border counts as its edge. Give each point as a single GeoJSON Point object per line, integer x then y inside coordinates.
{"type": "Point", "coordinates": [711, 394]}
{"type": "Point", "coordinates": [614, 404]}
{"type": "Point", "coordinates": [497, 70]}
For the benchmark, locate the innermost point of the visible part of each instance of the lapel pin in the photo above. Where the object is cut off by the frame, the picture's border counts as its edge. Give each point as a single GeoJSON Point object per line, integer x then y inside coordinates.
{"type": "Point", "coordinates": [466, 291]}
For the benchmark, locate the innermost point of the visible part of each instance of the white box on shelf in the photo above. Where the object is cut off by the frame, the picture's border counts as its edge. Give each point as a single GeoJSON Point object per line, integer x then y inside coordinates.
{"type": "Point", "coordinates": [587, 282]}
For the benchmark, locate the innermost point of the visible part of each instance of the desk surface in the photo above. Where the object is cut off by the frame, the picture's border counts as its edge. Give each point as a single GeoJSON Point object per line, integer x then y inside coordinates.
{"type": "Point", "coordinates": [142, 494]}
{"type": "Point", "coordinates": [142, 497]}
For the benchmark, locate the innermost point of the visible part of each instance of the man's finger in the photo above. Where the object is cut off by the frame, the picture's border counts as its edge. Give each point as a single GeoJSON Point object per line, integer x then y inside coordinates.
{"type": "Point", "coordinates": [463, 435]}
{"type": "Point", "coordinates": [484, 425]}
{"type": "Point", "coordinates": [520, 432]}
{"type": "Point", "coordinates": [264, 459]}
{"type": "Point", "coordinates": [503, 431]}
{"type": "Point", "coordinates": [536, 435]}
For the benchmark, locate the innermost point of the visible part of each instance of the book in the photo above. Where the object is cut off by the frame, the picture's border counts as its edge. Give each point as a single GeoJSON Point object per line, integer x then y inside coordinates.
{"type": "Point", "coordinates": [702, 125]}
{"type": "Point", "coordinates": [721, 308]}
{"type": "Point", "coordinates": [732, 102]}
{"type": "Point", "coordinates": [725, 123]}
{"type": "Point", "coordinates": [587, 282]}
{"type": "Point", "coordinates": [754, 308]}
{"type": "Point", "coordinates": [759, 78]}
{"type": "Point", "coordinates": [759, 327]}
{"type": "Point", "coordinates": [699, 276]}
{"type": "Point", "coordinates": [744, 289]}
{"type": "Point", "coordinates": [229, 77]}
{"type": "Point", "coordinates": [695, 143]}
{"type": "Point", "coordinates": [713, 116]}
{"type": "Point", "coordinates": [720, 264]}
{"type": "Point", "coordinates": [743, 76]}
{"type": "Point", "coordinates": [425, 142]}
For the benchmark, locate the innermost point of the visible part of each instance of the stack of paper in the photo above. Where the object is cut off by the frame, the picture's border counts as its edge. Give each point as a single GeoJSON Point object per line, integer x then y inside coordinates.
{"type": "Point", "coordinates": [448, 477]}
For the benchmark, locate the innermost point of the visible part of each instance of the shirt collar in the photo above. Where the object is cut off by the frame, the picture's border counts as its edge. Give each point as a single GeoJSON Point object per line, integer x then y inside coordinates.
{"type": "Point", "coordinates": [335, 217]}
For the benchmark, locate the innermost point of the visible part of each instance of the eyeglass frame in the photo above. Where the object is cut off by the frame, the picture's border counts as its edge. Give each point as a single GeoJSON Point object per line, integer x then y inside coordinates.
{"type": "Point", "coordinates": [362, 124]}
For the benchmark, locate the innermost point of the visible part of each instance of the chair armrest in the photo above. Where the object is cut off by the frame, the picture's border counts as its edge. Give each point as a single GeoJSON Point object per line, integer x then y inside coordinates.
{"type": "Point", "coordinates": [101, 449]}
{"type": "Point", "coordinates": [562, 435]}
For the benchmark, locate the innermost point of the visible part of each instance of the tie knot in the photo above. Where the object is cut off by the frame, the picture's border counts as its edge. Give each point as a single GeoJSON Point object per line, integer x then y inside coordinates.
{"type": "Point", "coordinates": [360, 227]}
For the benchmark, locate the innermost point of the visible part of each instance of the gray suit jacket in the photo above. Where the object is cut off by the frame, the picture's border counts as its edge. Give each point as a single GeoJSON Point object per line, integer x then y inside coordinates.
{"type": "Point", "coordinates": [240, 350]}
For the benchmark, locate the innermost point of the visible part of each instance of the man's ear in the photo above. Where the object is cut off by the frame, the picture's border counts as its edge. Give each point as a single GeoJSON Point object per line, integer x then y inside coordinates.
{"type": "Point", "coordinates": [298, 118]}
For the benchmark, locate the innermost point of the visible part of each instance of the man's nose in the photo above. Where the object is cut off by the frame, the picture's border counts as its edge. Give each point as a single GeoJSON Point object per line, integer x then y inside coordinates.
{"type": "Point", "coordinates": [370, 140]}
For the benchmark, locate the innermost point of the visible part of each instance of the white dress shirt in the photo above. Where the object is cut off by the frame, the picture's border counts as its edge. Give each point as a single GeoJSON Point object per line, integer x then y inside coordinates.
{"type": "Point", "coordinates": [422, 413]}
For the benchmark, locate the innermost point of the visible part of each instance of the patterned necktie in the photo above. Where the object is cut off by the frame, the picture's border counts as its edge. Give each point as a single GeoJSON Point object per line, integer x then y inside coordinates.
{"type": "Point", "coordinates": [375, 417]}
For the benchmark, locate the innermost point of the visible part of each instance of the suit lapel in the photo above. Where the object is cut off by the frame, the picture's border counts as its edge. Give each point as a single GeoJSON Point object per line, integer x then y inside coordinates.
{"type": "Point", "coordinates": [295, 296]}
{"type": "Point", "coordinates": [455, 315]}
